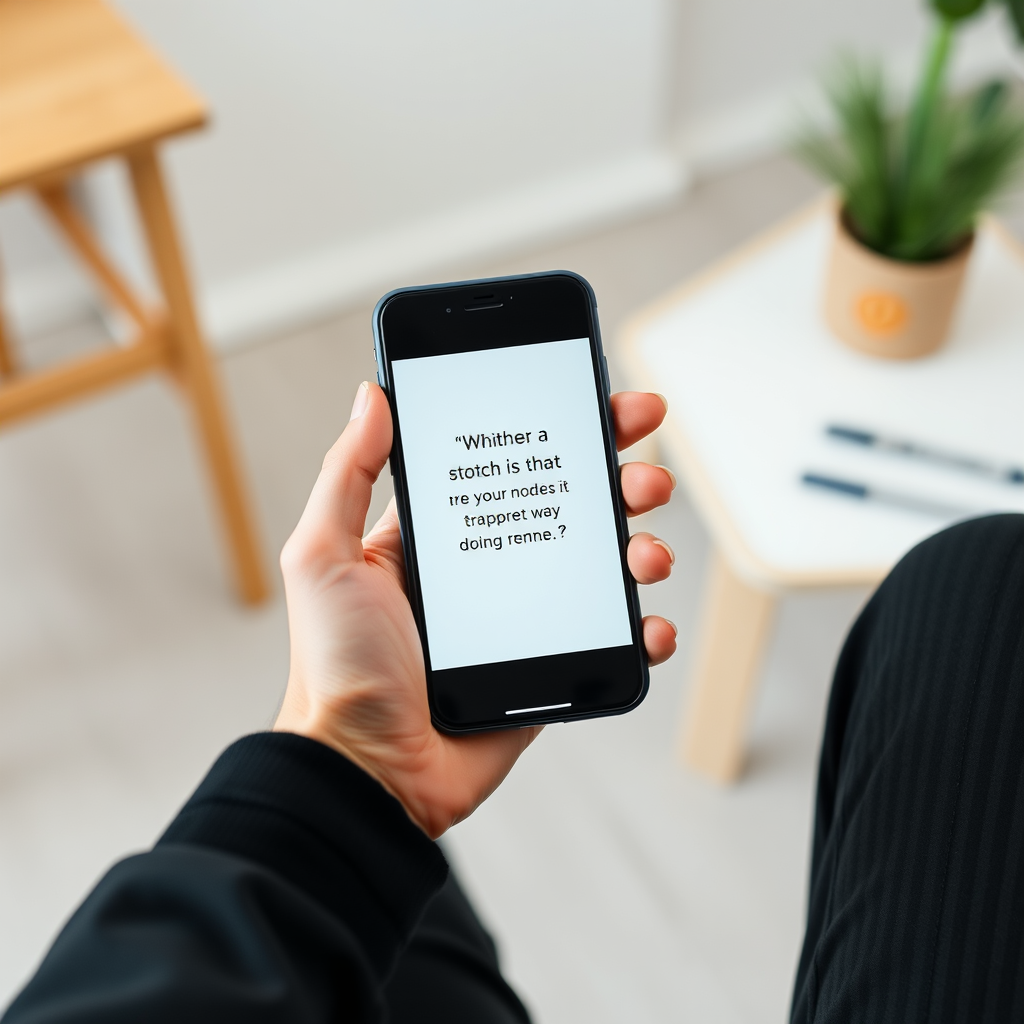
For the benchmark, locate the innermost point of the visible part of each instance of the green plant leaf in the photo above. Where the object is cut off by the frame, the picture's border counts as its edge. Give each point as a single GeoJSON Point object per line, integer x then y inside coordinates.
{"type": "Point", "coordinates": [957, 10]}
{"type": "Point", "coordinates": [1015, 9]}
{"type": "Point", "coordinates": [989, 101]}
{"type": "Point", "coordinates": [915, 202]}
{"type": "Point", "coordinates": [858, 160]}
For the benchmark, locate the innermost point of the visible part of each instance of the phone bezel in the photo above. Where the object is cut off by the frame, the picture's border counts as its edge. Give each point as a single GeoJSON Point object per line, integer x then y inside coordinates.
{"type": "Point", "coordinates": [510, 311]}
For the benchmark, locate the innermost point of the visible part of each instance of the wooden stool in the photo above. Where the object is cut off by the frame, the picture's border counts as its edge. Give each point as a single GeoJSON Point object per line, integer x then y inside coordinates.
{"type": "Point", "coordinates": [76, 86]}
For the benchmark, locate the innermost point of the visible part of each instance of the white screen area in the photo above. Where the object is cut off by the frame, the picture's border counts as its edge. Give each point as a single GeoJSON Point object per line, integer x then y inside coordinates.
{"type": "Point", "coordinates": [511, 511]}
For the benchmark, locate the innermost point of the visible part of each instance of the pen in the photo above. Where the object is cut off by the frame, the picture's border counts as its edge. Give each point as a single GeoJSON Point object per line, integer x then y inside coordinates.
{"type": "Point", "coordinates": [866, 492]}
{"type": "Point", "coordinates": [911, 449]}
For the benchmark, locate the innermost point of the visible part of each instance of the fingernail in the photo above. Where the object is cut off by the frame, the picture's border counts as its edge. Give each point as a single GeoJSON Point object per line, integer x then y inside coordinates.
{"type": "Point", "coordinates": [671, 553]}
{"type": "Point", "coordinates": [663, 399]}
{"type": "Point", "coordinates": [675, 628]}
{"type": "Point", "coordinates": [671, 475]}
{"type": "Point", "coordinates": [359, 405]}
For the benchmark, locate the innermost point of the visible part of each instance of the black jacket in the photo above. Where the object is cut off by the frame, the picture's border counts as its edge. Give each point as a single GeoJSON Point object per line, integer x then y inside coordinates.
{"type": "Point", "coordinates": [283, 891]}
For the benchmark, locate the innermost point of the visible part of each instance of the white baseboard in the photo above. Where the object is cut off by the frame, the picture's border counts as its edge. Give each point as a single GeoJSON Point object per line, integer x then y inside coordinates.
{"type": "Point", "coordinates": [262, 304]}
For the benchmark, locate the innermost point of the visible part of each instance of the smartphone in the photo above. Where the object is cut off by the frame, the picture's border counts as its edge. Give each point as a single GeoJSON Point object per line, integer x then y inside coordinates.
{"type": "Point", "coordinates": [507, 483]}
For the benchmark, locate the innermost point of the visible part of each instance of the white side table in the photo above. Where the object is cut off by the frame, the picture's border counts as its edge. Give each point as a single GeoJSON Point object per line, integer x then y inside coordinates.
{"type": "Point", "coordinates": [752, 376]}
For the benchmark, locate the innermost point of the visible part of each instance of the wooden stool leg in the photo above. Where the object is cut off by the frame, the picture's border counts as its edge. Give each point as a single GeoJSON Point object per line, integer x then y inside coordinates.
{"type": "Point", "coordinates": [197, 370]}
{"type": "Point", "coordinates": [8, 361]}
{"type": "Point", "coordinates": [58, 202]}
{"type": "Point", "coordinates": [734, 628]}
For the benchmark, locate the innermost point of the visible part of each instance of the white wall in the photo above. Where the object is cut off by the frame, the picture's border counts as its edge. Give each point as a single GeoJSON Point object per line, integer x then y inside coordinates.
{"type": "Point", "coordinates": [358, 146]}
{"type": "Point", "coordinates": [340, 120]}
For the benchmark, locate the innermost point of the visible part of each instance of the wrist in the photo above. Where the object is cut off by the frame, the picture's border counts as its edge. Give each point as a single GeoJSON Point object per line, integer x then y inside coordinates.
{"type": "Point", "coordinates": [298, 717]}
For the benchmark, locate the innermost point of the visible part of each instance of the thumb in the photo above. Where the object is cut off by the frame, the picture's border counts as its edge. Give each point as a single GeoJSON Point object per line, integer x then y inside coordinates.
{"type": "Point", "coordinates": [336, 511]}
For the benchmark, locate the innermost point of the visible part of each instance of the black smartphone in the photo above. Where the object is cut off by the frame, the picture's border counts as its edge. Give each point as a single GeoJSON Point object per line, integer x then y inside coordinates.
{"type": "Point", "coordinates": [507, 483]}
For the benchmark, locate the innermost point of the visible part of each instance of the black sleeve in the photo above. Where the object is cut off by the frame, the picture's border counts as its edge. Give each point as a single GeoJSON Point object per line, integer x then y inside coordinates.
{"type": "Point", "coordinates": [283, 891]}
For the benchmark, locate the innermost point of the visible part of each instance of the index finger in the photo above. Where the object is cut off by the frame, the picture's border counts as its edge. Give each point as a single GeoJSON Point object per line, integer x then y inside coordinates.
{"type": "Point", "coordinates": [636, 414]}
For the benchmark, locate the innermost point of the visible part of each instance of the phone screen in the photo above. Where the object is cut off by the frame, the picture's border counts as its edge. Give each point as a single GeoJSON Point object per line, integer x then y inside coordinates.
{"type": "Point", "coordinates": [508, 488]}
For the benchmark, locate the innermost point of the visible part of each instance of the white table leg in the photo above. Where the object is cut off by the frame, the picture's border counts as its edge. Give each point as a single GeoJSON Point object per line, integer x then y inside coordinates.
{"type": "Point", "coordinates": [734, 629]}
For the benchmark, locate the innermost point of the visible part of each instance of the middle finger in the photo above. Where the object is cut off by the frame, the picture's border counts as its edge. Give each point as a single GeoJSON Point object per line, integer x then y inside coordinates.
{"type": "Point", "coordinates": [645, 487]}
{"type": "Point", "coordinates": [650, 558]}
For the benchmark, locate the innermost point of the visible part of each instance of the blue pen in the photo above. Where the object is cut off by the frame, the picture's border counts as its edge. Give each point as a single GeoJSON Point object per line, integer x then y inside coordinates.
{"type": "Point", "coordinates": [911, 449]}
{"type": "Point", "coordinates": [866, 492]}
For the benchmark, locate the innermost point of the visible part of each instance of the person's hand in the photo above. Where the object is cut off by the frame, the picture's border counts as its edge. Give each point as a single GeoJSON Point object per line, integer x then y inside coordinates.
{"type": "Point", "coordinates": [357, 681]}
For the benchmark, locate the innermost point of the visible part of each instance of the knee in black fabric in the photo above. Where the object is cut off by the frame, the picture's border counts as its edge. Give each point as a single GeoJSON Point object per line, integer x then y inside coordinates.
{"type": "Point", "coordinates": [965, 557]}
{"type": "Point", "coordinates": [945, 589]}
{"type": "Point", "coordinates": [933, 641]}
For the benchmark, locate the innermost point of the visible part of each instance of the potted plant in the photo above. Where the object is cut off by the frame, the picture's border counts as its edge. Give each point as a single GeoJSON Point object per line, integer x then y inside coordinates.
{"type": "Point", "coordinates": [911, 186]}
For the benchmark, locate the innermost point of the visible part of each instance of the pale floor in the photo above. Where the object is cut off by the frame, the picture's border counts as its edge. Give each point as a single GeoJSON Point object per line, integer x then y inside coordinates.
{"type": "Point", "coordinates": [621, 888]}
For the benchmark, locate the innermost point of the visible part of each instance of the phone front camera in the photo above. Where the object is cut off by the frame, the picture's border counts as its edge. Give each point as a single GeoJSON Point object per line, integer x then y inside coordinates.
{"type": "Point", "coordinates": [448, 310]}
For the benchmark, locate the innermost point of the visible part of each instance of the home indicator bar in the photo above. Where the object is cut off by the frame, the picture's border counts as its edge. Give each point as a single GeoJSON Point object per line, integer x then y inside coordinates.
{"type": "Point", "coordinates": [546, 707]}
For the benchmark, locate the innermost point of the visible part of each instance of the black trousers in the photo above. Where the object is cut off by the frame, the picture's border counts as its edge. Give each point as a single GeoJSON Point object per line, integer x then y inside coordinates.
{"type": "Point", "coordinates": [916, 909]}
{"type": "Point", "coordinates": [916, 906]}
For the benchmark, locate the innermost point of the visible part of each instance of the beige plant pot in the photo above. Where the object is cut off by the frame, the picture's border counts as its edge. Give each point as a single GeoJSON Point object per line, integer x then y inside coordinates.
{"type": "Point", "coordinates": [888, 307]}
